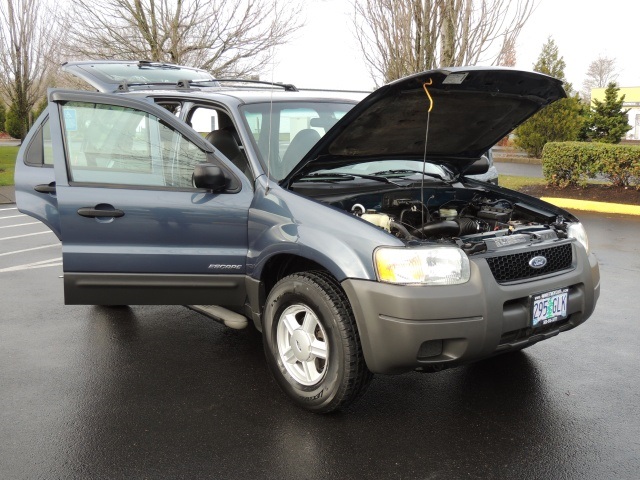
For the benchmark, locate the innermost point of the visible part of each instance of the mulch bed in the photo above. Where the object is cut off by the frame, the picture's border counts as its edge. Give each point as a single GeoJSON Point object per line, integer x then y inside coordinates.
{"type": "Point", "coordinates": [594, 192]}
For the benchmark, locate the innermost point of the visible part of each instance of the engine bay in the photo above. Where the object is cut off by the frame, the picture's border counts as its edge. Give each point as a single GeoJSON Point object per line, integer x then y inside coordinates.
{"type": "Point", "coordinates": [477, 220]}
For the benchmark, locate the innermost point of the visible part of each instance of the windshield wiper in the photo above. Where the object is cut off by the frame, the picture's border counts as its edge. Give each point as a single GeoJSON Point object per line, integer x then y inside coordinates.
{"type": "Point", "coordinates": [428, 174]}
{"type": "Point", "coordinates": [341, 177]}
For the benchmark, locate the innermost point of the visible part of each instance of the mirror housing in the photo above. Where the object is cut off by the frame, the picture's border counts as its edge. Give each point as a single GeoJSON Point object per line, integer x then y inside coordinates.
{"type": "Point", "coordinates": [478, 167]}
{"type": "Point", "coordinates": [210, 177]}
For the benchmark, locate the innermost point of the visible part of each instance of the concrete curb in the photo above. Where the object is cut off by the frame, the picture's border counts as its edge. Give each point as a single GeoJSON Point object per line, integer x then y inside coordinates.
{"type": "Point", "coordinates": [589, 206]}
{"type": "Point", "coordinates": [7, 195]}
{"type": "Point", "coordinates": [526, 160]}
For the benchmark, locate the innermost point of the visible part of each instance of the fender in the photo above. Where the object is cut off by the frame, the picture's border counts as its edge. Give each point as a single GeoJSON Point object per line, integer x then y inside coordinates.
{"type": "Point", "coordinates": [282, 222]}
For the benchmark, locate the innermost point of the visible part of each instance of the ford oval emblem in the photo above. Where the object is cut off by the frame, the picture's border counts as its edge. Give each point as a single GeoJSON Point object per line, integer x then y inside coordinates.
{"type": "Point", "coordinates": [537, 262]}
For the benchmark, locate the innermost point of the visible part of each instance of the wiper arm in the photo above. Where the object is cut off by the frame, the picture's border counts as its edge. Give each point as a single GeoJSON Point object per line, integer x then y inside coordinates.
{"type": "Point", "coordinates": [351, 176]}
{"type": "Point", "coordinates": [428, 174]}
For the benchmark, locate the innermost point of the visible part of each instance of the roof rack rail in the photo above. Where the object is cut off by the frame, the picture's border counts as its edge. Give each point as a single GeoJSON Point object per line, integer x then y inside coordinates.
{"type": "Point", "coordinates": [288, 87]}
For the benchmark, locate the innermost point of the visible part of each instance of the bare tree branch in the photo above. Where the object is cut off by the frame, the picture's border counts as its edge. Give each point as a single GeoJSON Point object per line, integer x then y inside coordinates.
{"type": "Point", "coordinates": [227, 37]}
{"type": "Point", "coordinates": [399, 37]}
{"type": "Point", "coordinates": [29, 46]}
{"type": "Point", "coordinates": [600, 73]}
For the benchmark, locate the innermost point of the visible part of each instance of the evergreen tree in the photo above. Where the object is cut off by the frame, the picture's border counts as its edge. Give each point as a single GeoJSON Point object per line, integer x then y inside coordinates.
{"type": "Point", "coordinates": [560, 121]}
{"type": "Point", "coordinates": [608, 122]}
{"type": "Point", "coordinates": [3, 116]}
{"type": "Point", "coordinates": [15, 124]}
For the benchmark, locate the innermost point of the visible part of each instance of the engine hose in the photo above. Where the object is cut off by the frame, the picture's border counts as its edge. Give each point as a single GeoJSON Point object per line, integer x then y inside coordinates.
{"type": "Point", "coordinates": [440, 228]}
{"type": "Point", "coordinates": [402, 229]}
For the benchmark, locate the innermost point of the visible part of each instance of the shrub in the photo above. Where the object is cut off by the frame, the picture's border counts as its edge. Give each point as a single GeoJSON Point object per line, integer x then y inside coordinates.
{"type": "Point", "coordinates": [567, 164]}
{"type": "Point", "coordinates": [15, 125]}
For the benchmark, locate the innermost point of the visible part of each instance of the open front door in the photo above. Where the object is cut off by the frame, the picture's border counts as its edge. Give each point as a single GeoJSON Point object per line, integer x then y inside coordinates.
{"type": "Point", "coordinates": [134, 229]}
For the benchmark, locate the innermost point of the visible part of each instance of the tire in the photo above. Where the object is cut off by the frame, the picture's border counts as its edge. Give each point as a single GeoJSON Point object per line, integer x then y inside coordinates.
{"type": "Point", "coordinates": [311, 342]}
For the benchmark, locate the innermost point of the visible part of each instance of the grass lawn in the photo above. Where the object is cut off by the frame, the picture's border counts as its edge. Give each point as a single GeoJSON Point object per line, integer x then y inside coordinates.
{"type": "Point", "coordinates": [7, 164]}
{"type": "Point", "coordinates": [515, 182]}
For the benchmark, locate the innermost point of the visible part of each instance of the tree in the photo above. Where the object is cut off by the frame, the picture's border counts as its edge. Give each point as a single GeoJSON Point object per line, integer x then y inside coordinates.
{"type": "Point", "coordinates": [600, 73]}
{"type": "Point", "coordinates": [229, 38]}
{"type": "Point", "coordinates": [3, 117]}
{"type": "Point", "coordinates": [400, 37]}
{"type": "Point", "coordinates": [28, 46]}
{"type": "Point", "coordinates": [14, 124]}
{"type": "Point", "coordinates": [607, 121]}
{"type": "Point", "coordinates": [560, 121]}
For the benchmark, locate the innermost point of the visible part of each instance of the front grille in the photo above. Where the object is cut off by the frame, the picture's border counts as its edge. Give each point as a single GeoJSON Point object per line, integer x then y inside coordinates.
{"type": "Point", "coordinates": [508, 268]}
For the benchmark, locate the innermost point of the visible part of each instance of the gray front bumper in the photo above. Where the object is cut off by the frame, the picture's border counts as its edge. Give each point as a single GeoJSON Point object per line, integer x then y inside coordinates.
{"type": "Point", "coordinates": [407, 327]}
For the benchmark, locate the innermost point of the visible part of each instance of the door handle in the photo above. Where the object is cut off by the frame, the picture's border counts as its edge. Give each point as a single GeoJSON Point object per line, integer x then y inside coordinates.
{"type": "Point", "coordinates": [46, 188]}
{"type": "Point", "coordinates": [100, 211]}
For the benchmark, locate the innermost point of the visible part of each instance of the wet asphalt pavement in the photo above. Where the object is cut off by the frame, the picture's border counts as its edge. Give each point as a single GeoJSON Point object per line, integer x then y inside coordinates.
{"type": "Point", "coordinates": [162, 392]}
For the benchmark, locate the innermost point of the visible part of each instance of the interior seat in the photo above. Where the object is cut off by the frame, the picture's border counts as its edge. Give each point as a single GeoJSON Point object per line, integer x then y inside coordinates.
{"type": "Point", "coordinates": [299, 146]}
{"type": "Point", "coordinates": [224, 141]}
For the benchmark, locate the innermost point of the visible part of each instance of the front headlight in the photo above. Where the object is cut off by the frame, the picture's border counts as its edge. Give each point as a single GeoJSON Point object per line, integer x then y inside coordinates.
{"type": "Point", "coordinates": [577, 231]}
{"type": "Point", "coordinates": [422, 266]}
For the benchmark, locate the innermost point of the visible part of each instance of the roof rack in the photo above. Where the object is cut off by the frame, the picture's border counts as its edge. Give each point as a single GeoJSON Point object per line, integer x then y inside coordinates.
{"type": "Point", "coordinates": [288, 87]}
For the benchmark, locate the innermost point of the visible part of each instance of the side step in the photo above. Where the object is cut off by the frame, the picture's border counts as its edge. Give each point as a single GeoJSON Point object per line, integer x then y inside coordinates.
{"type": "Point", "coordinates": [229, 318]}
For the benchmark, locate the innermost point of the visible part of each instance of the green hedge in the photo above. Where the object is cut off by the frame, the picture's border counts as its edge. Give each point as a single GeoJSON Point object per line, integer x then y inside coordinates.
{"type": "Point", "coordinates": [567, 164]}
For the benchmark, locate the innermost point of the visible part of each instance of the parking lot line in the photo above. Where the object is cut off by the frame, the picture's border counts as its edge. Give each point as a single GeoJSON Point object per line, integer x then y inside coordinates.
{"type": "Point", "coordinates": [12, 208]}
{"type": "Point", "coordinates": [25, 235]}
{"type": "Point", "coordinates": [13, 216]}
{"type": "Point", "coordinates": [52, 262]}
{"type": "Point", "coordinates": [29, 249]}
{"type": "Point", "coordinates": [20, 225]}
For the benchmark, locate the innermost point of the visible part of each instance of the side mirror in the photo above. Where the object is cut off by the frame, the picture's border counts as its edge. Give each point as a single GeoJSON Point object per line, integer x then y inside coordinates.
{"type": "Point", "coordinates": [209, 177]}
{"type": "Point", "coordinates": [478, 167]}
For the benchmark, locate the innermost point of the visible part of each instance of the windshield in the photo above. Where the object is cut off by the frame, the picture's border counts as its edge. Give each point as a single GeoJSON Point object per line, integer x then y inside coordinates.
{"type": "Point", "coordinates": [391, 168]}
{"type": "Point", "coordinates": [285, 131]}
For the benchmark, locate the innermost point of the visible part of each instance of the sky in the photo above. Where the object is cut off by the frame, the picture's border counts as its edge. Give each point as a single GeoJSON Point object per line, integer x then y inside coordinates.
{"type": "Point", "coordinates": [325, 54]}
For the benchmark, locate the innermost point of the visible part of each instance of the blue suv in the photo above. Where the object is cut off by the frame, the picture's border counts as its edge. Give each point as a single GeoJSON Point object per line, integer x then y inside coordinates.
{"type": "Point", "coordinates": [348, 231]}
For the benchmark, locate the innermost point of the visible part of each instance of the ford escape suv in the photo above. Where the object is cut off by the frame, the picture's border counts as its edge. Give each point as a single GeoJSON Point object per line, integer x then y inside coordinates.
{"type": "Point", "coordinates": [348, 232]}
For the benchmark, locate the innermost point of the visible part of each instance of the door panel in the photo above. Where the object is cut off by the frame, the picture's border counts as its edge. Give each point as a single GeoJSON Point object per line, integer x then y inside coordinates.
{"type": "Point", "coordinates": [133, 226]}
{"type": "Point", "coordinates": [34, 176]}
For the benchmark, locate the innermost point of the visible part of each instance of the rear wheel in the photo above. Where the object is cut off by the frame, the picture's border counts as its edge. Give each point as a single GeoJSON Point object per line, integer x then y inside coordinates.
{"type": "Point", "coordinates": [312, 343]}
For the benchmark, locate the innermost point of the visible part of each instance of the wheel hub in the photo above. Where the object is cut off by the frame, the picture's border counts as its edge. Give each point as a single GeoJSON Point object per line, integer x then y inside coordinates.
{"type": "Point", "coordinates": [301, 344]}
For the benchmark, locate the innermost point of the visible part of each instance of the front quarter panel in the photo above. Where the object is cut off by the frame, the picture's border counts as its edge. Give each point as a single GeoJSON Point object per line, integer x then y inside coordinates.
{"type": "Point", "coordinates": [282, 222]}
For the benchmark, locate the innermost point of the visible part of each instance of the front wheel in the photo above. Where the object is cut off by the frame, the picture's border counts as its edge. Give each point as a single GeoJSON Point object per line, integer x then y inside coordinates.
{"type": "Point", "coordinates": [312, 343]}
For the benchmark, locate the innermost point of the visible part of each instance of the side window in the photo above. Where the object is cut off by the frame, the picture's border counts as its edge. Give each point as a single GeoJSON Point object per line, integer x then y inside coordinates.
{"type": "Point", "coordinates": [39, 152]}
{"type": "Point", "coordinates": [215, 125]}
{"type": "Point", "coordinates": [204, 120]}
{"type": "Point", "coordinates": [117, 145]}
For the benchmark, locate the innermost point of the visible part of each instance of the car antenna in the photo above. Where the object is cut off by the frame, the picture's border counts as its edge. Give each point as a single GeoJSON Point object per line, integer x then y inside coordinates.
{"type": "Point", "coordinates": [426, 139]}
{"type": "Point", "coordinates": [266, 192]}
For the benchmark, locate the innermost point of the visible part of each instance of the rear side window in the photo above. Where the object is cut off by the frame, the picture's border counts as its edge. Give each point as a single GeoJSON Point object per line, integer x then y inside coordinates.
{"type": "Point", "coordinates": [39, 152]}
{"type": "Point", "coordinates": [123, 146]}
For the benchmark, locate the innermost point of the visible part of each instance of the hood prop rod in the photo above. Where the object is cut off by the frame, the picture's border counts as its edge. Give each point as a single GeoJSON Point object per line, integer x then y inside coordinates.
{"type": "Point", "coordinates": [426, 139]}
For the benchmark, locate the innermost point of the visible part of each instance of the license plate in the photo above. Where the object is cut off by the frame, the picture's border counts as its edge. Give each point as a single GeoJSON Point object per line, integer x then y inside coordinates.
{"type": "Point", "coordinates": [549, 307]}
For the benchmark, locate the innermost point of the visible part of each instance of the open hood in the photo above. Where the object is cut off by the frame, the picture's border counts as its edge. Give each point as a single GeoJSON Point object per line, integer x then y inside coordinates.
{"type": "Point", "coordinates": [112, 76]}
{"type": "Point", "coordinates": [472, 108]}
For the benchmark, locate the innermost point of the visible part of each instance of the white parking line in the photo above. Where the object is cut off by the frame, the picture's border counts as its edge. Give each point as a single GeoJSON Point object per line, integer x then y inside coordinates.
{"type": "Point", "coordinates": [29, 249]}
{"type": "Point", "coordinates": [25, 235]}
{"type": "Point", "coordinates": [13, 216]}
{"type": "Point", "coordinates": [20, 225]}
{"type": "Point", "coordinates": [52, 262]}
{"type": "Point", "coordinates": [12, 208]}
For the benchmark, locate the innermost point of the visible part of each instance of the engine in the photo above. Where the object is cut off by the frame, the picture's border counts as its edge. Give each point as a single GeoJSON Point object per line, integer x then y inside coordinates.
{"type": "Point", "coordinates": [476, 223]}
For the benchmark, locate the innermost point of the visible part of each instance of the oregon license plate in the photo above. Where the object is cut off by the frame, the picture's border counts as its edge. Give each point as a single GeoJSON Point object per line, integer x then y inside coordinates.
{"type": "Point", "coordinates": [549, 307]}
